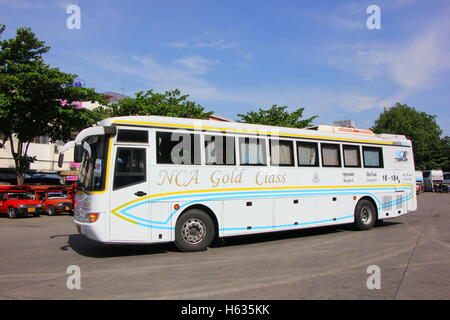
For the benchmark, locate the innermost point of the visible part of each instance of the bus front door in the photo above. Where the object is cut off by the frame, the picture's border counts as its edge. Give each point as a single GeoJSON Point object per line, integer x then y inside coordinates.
{"type": "Point", "coordinates": [130, 211]}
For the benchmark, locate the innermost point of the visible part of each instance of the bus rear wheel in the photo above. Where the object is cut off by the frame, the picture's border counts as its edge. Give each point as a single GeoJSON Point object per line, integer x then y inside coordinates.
{"type": "Point", "coordinates": [365, 215]}
{"type": "Point", "coordinates": [194, 231]}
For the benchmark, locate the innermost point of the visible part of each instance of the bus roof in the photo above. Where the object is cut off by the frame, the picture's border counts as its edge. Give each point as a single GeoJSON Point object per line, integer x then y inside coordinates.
{"type": "Point", "coordinates": [316, 132]}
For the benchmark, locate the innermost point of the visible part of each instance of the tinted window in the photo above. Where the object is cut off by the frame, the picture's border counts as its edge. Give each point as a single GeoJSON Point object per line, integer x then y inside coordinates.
{"type": "Point", "coordinates": [307, 154]}
{"type": "Point", "coordinates": [252, 151]}
{"type": "Point", "coordinates": [352, 157]}
{"type": "Point", "coordinates": [219, 150]}
{"type": "Point", "coordinates": [177, 148]}
{"type": "Point", "coordinates": [281, 152]}
{"type": "Point", "coordinates": [130, 167]}
{"type": "Point", "coordinates": [138, 136]}
{"type": "Point", "coordinates": [331, 156]}
{"type": "Point", "coordinates": [373, 157]}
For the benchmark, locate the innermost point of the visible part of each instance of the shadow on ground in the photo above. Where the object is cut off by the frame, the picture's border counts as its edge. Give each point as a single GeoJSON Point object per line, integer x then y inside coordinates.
{"type": "Point", "coordinates": [90, 248]}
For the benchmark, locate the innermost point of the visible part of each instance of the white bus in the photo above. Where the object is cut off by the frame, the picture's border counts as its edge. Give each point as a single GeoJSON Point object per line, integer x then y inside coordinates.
{"type": "Point", "coordinates": [150, 179]}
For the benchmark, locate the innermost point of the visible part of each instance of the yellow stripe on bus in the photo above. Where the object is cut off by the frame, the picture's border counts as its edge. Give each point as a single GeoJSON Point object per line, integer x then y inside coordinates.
{"type": "Point", "coordinates": [246, 131]}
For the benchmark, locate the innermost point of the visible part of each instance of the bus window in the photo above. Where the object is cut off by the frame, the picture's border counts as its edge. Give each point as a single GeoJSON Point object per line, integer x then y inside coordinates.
{"type": "Point", "coordinates": [136, 136]}
{"type": "Point", "coordinates": [219, 150]}
{"type": "Point", "coordinates": [331, 155]}
{"type": "Point", "coordinates": [130, 167]}
{"type": "Point", "coordinates": [373, 157]}
{"type": "Point", "coordinates": [252, 151]}
{"type": "Point", "coordinates": [352, 157]}
{"type": "Point", "coordinates": [307, 154]}
{"type": "Point", "coordinates": [177, 148]}
{"type": "Point", "coordinates": [281, 152]}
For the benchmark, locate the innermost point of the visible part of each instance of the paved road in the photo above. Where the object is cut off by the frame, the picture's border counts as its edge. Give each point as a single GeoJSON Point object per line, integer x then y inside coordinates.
{"type": "Point", "coordinates": [413, 253]}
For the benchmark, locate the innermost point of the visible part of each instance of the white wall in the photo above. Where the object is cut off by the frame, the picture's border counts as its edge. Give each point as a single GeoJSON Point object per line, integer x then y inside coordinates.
{"type": "Point", "coordinates": [47, 159]}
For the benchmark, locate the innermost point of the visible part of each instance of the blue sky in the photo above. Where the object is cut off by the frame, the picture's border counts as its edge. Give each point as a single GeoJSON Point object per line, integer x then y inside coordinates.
{"type": "Point", "coordinates": [237, 56]}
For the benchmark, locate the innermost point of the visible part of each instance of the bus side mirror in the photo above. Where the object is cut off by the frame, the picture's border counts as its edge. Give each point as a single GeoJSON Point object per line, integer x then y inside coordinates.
{"type": "Point", "coordinates": [78, 153]}
{"type": "Point", "coordinates": [60, 160]}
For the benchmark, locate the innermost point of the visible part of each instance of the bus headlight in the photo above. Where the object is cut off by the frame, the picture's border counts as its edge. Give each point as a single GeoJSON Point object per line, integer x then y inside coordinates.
{"type": "Point", "coordinates": [93, 217]}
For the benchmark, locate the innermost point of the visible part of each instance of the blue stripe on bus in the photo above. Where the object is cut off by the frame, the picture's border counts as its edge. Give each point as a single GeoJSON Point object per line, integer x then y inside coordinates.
{"type": "Point", "coordinates": [228, 198]}
{"type": "Point", "coordinates": [261, 227]}
{"type": "Point", "coordinates": [278, 193]}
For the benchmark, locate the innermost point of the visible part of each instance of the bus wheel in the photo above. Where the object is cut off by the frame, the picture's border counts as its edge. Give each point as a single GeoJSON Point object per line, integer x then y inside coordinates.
{"type": "Point", "coordinates": [365, 215]}
{"type": "Point", "coordinates": [194, 231]}
{"type": "Point", "coordinates": [12, 213]}
{"type": "Point", "coordinates": [51, 211]}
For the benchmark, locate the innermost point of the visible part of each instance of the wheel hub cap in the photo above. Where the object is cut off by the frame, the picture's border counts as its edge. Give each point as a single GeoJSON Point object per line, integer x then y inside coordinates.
{"type": "Point", "coordinates": [193, 231]}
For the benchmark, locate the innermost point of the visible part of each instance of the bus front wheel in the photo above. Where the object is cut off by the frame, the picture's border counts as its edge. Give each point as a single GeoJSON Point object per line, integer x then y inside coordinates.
{"type": "Point", "coordinates": [194, 231]}
{"type": "Point", "coordinates": [365, 215]}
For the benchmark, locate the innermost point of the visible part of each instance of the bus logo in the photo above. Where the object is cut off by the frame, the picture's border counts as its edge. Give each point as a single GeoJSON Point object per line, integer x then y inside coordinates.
{"type": "Point", "coordinates": [401, 155]}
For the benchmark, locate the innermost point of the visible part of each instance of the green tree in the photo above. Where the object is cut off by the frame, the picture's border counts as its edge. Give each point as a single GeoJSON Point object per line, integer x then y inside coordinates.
{"type": "Point", "coordinates": [35, 99]}
{"type": "Point", "coordinates": [277, 116]}
{"type": "Point", "coordinates": [421, 128]}
{"type": "Point", "coordinates": [169, 103]}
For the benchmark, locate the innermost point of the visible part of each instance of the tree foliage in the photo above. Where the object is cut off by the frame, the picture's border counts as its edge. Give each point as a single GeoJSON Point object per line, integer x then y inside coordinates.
{"type": "Point", "coordinates": [277, 116]}
{"type": "Point", "coordinates": [421, 128]}
{"type": "Point", "coordinates": [31, 95]}
{"type": "Point", "coordinates": [169, 103]}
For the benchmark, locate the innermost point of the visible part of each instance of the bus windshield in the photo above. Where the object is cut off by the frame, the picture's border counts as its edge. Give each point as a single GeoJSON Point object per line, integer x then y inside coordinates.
{"type": "Point", "coordinates": [93, 164]}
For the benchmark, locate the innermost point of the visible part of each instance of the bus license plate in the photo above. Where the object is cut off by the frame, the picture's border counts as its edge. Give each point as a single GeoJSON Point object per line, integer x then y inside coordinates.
{"type": "Point", "coordinates": [31, 209]}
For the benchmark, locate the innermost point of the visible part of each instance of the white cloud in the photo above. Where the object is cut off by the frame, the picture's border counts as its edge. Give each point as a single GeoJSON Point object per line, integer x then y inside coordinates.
{"type": "Point", "coordinates": [197, 65]}
{"type": "Point", "coordinates": [215, 44]}
{"type": "Point", "coordinates": [185, 74]}
{"type": "Point", "coordinates": [411, 65]}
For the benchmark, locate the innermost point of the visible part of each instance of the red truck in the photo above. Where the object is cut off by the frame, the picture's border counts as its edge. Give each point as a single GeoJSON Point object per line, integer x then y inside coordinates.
{"type": "Point", "coordinates": [18, 200]}
{"type": "Point", "coordinates": [54, 199]}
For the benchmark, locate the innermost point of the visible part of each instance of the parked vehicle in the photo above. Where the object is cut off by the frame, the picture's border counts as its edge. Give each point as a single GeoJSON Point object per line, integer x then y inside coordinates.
{"type": "Point", "coordinates": [17, 200]}
{"type": "Point", "coordinates": [419, 182]}
{"type": "Point", "coordinates": [447, 180]}
{"type": "Point", "coordinates": [433, 180]}
{"type": "Point", "coordinates": [54, 199]}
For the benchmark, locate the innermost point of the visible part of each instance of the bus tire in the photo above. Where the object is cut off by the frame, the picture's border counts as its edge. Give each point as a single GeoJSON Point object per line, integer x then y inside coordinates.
{"type": "Point", "coordinates": [51, 211]}
{"type": "Point", "coordinates": [365, 215]}
{"type": "Point", "coordinates": [12, 213]}
{"type": "Point", "coordinates": [194, 231]}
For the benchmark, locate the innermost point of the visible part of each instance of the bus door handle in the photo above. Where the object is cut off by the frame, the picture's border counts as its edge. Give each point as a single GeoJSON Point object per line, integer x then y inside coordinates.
{"type": "Point", "coordinates": [140, 193]}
